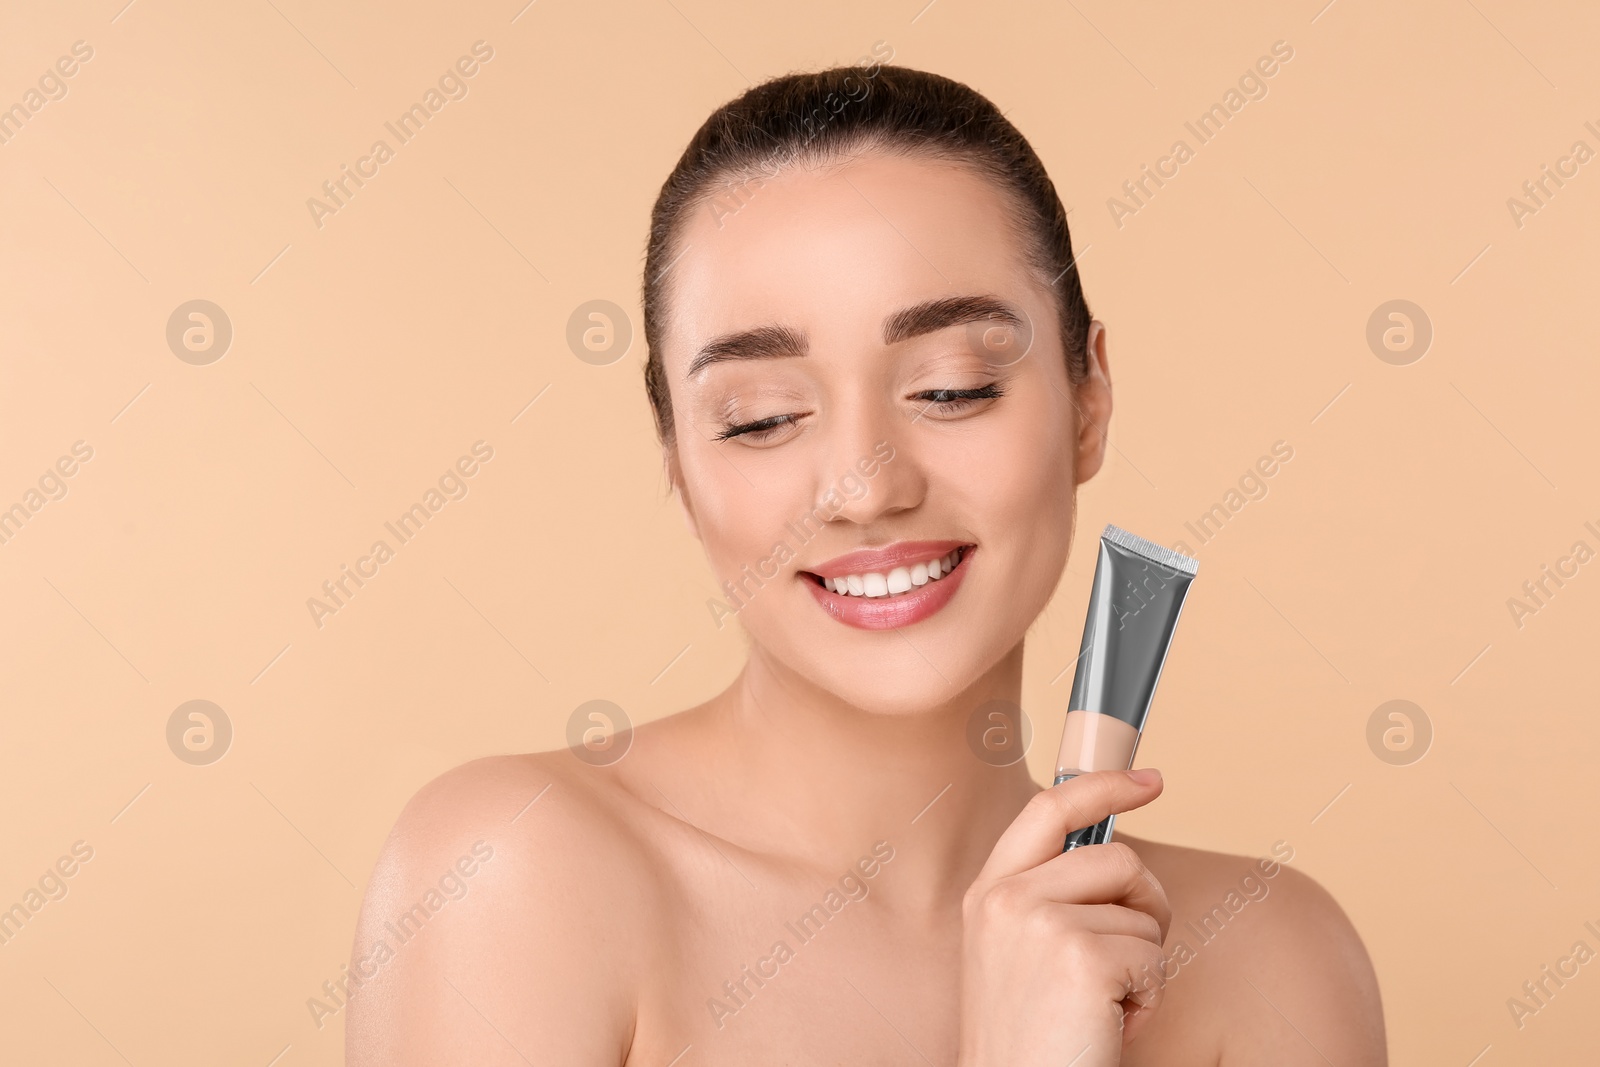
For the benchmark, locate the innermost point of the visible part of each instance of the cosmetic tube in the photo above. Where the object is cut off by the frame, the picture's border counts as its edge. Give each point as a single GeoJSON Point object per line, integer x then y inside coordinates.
{"type": "Point", "coordinates": [1138, 594]}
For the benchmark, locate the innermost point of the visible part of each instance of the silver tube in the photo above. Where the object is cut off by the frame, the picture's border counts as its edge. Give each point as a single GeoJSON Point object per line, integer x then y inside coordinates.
{"type": "Point", "coordinates": [1138, 594]}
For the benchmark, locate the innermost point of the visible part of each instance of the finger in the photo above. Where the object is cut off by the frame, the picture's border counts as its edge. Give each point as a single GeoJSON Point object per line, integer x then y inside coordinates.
{"type": "Point", "coordinates": [1110, 874]}
{"type": "Point", "coordinates": [1037, 833]}
{"type": "Point", "coordinates": [1136, 975]}
{"type": "Point", "coordinates": [1146, 993]}
{"type": "Point", "coordinates": [1124, 978]}
{"type": "Point", "coordinates": [1113, 919]}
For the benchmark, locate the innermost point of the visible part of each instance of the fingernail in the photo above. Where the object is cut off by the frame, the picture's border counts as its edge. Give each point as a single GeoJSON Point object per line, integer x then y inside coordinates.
{"type": "Point", "coordinates": [1145, 776]}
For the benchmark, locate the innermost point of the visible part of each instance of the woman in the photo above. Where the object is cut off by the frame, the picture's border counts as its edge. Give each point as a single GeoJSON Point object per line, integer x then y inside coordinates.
{"type": "Point", "coordinates": [877, 386]}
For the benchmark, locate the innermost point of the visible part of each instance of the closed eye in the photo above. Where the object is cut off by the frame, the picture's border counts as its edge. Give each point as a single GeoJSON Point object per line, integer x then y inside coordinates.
{"type": "Point", "coordinates": [948, 401]}
{"type": "Point", "coordinates": [952, 400]}
{"type": "Point", "coordinates": [759, 430]}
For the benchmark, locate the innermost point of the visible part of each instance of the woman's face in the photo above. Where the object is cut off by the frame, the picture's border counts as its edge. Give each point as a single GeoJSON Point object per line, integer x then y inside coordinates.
{"type": "Point", "coordinates": [866, 378]}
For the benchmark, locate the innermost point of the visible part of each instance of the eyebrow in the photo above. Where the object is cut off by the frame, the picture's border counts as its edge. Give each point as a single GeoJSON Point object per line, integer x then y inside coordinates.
{"type": "Point", "coordinates": [930, 316]}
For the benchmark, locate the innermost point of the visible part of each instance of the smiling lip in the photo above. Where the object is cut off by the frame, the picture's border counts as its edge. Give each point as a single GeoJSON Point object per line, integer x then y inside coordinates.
{"type": "Point", "coordinates": [885, 559]}
{"type": "Point", "coordinates": [889, 612]}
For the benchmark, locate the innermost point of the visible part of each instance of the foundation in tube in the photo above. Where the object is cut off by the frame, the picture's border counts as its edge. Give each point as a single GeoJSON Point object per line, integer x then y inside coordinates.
{"type": "Point", "coordinates": [1138, 594]}
{"type": "Point", "coordinates": [1092, 741]}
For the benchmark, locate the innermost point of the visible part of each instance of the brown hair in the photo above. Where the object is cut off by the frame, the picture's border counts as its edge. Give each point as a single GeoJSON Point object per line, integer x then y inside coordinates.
{"type": "Point", "coordinates": [819, 117]}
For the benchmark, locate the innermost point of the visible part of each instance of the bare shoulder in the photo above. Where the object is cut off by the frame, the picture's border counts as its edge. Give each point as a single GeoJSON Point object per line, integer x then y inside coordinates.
{"type": "Point", "coordinates": [1265, 952]}
{"type": "Point", "coordinates": [509, 899]}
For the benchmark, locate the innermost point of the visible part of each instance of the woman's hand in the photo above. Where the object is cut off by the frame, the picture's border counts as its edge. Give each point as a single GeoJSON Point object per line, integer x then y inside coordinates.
{"type": "Point", "coordinates": [1061, 951]}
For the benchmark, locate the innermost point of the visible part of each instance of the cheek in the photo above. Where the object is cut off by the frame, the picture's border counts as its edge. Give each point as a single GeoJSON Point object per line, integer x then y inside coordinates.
{"type": "Point", "coordinates": [1018, 470]}
{"type": "Point", "coordinates": [740, 507]}
{"type": "Point", "coordinates": [1017, 488]}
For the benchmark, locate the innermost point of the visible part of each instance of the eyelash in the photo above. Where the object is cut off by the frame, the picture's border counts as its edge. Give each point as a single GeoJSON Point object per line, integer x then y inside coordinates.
{"type": "Point", "coordinates": [757, 431]}
{"type": "Point", "coordinates": [960, 399]}
{"type": "Point", "coordinates": [951, 400]}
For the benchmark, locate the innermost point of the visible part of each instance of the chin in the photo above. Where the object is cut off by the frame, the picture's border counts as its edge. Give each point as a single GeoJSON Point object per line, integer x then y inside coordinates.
{"type": "Point", "coordinates": [900, 673]}
{"type": "Point", "coordinates": [905, 697]}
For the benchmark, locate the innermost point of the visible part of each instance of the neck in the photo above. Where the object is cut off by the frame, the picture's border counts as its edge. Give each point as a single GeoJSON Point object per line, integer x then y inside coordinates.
{"type": "Point", "coordinates": [821, 781]}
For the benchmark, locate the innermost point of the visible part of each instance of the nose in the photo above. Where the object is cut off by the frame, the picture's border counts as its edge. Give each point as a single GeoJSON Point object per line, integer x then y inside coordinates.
{"type": "Point", "coordinates": [869, 466]}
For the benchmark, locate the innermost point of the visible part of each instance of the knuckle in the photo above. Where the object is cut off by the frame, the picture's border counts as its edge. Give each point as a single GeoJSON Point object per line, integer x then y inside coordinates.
{"type": "Point", "coordinates": [1125, 860]}
{"type": "Point", "coordinates": [1103, 786]}
{"type": "Point", "coordinates": [1078, 950]}
{"type": "Point", "coordinates": [1089, 797]}
{"type": "Point", "coordinates": [1000, 898]}
{"type": "Point", "coordinates": [976, 903]}
{"type": "Point", "coordinates": [1001, 901]}
{"type": "Point", "coordinates": [1048, 804]}
{"type": "Point", "coordinates": [1043, 925]}
{"type": "Point", "coordinates": [1128, 867]}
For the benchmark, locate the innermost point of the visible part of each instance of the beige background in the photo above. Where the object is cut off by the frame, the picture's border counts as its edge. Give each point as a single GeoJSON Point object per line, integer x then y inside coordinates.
{"type": "Point", "coordinates": [431, 310]}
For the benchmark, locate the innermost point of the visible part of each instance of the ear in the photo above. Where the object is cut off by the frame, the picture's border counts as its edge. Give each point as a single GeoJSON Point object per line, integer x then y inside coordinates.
{"type": "Point", "coordinates": [675, 480]}
{"type": "Point", "coordinates": [1093, 404]}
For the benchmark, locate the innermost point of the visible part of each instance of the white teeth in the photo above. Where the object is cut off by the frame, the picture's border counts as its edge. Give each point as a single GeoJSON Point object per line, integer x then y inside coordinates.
{"type": "Point", "coordinates": [897, 581]}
